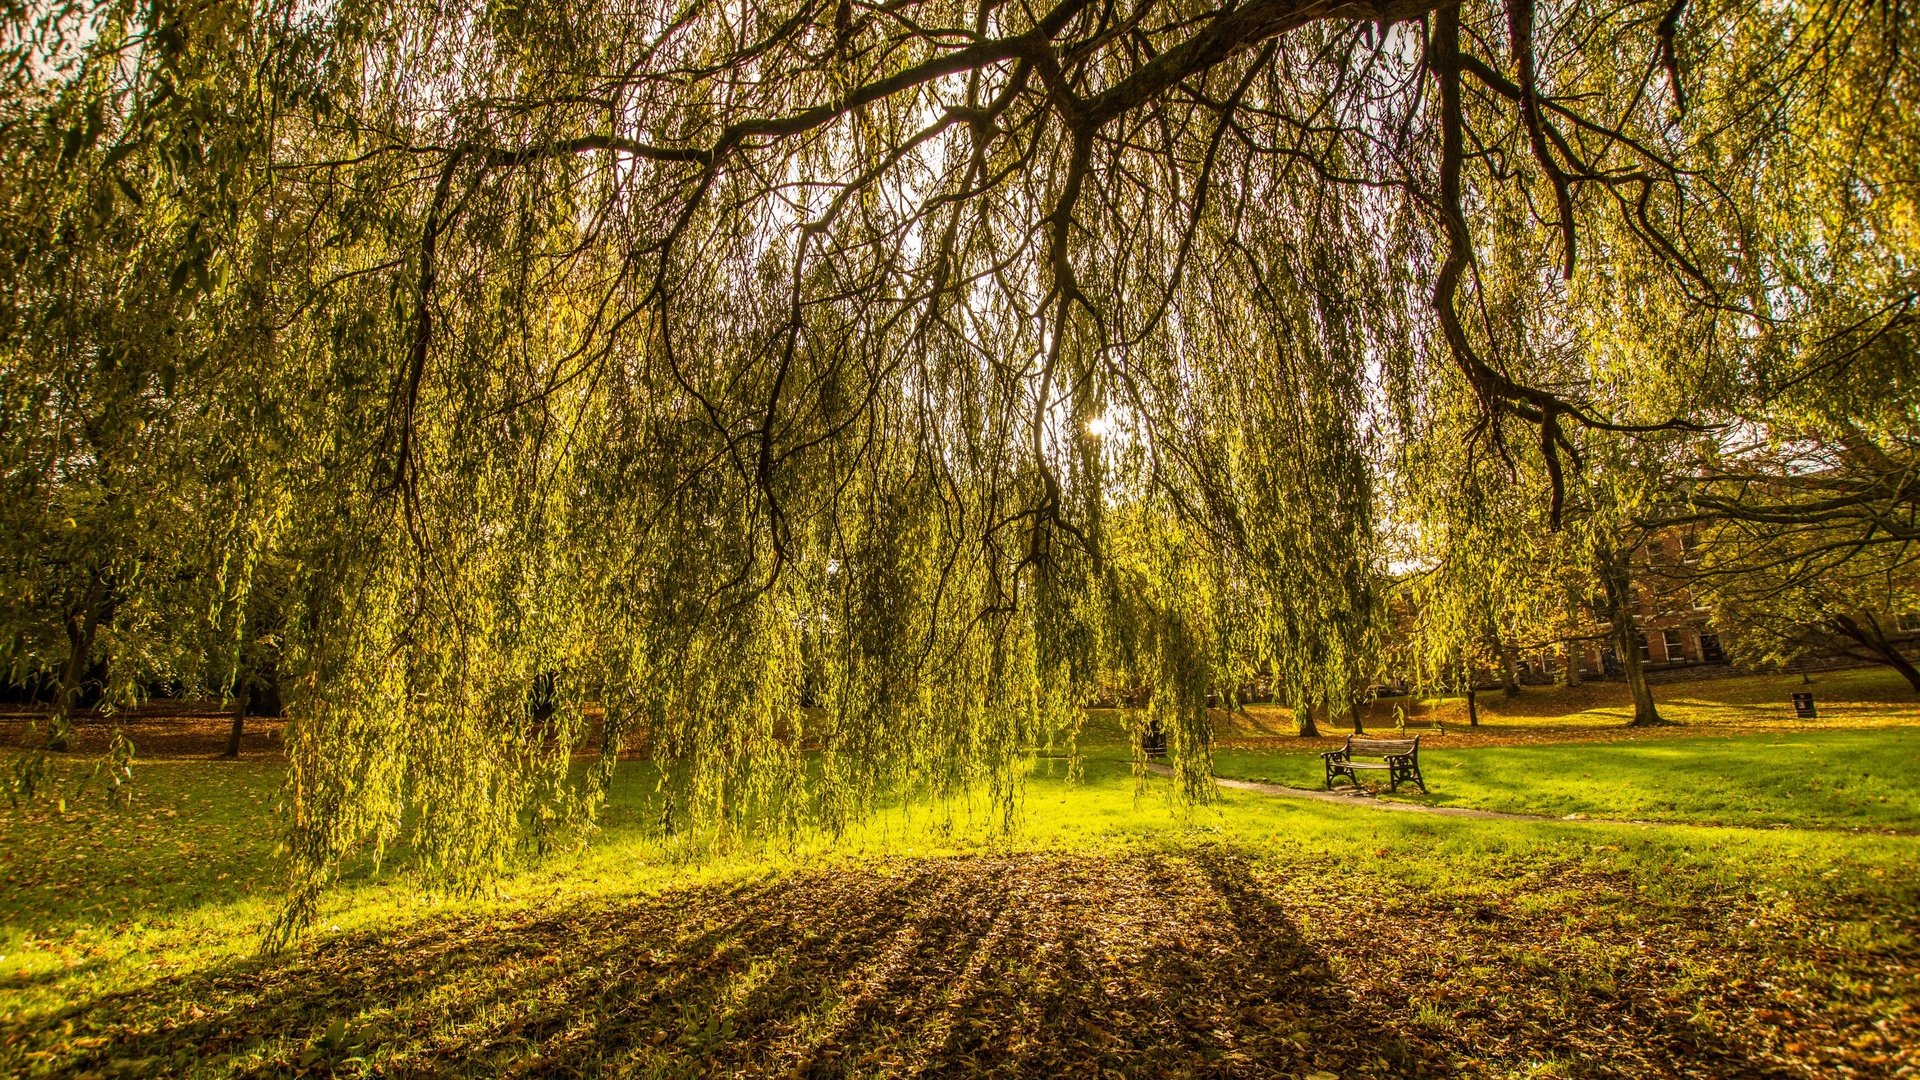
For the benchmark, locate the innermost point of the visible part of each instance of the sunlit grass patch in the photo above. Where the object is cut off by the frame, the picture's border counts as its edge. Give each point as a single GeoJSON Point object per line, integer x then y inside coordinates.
{"type": "Point", "coordinates": [1834, 779]}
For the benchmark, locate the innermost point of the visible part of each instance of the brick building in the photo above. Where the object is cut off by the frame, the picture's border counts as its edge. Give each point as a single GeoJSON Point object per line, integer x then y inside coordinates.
{"type": "Point", "coordinates": [1675, 630]}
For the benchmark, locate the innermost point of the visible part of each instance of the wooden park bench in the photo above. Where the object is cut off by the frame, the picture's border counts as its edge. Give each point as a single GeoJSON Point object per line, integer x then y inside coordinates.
{"type": "Point", "coordinates": [1399, 757]}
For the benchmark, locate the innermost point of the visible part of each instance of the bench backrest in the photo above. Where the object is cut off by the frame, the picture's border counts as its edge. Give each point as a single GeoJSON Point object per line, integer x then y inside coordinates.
{"type": "Point", "coordinates": [1381, 747]}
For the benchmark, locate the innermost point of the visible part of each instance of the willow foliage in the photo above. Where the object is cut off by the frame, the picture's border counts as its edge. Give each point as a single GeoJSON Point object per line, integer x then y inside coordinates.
{"type": "Point", "coordinates": [836, 395]}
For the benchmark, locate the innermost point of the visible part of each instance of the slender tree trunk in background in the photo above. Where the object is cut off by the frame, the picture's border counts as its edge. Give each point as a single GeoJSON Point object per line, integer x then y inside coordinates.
{"type": "Point", "coordinates": [1508, 666]}
{"type": "Point", "coordinates": [82, 626]}
{"type": "Point", "coordinates": [1304, 718]}
{"type": "Point", "coordinates": [1468, 677]}
{"type": "Point", "coordinates": [1644, 711]}
{"type": "Point", "coordinates": [69, 691]}
{"type": "Point", "coordinates": [1873, 637]}
{"type": "Point", "coordinates": [240, 697]}
{"type": "Point", "coordinates": [1354, 709]}
{"type": "Point", "coordinates": [1619, 589]}
{"type": "Point", "coordinates": [1509, 670]}
{"type": "Point", "coordinates": [1575, 650]}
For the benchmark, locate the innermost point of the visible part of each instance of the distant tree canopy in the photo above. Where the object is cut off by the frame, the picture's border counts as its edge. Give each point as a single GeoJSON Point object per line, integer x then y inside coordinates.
{"type": "Point", "coordinates": [931, 362]}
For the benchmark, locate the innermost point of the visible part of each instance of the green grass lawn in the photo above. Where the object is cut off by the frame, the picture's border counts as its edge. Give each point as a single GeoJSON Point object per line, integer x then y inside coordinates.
{"type": "Point", "coordinates": [1839, 779]}
{"type": "Point", "coordinates": [1110, 931]}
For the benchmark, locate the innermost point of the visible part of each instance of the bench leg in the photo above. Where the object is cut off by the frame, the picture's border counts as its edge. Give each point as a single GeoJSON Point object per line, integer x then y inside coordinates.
{"type": "Point", "coordinates": [1401, 772]}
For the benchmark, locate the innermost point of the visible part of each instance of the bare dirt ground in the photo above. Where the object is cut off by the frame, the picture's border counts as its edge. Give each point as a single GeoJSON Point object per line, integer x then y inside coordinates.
{"type": "Point", "coordinates": [159, 729]}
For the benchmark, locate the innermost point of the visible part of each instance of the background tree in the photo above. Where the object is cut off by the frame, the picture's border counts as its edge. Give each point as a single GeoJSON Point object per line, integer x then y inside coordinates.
{"type": "Point", "coordinates": [1807, 549]}
{"type": "Point", "coordinates": [119, 386]}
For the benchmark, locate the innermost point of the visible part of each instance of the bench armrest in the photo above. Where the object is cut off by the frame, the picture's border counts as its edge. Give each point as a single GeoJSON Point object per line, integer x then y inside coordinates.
{"type": "Point", "coordinates": [1334, 755]}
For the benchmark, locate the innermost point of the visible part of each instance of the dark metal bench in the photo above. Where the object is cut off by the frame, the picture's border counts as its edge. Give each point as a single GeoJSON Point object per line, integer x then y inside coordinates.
{"type": "Point", "coordinates": [1399, 757]}
{"type": "Point", "coordinates": [1153, 741]}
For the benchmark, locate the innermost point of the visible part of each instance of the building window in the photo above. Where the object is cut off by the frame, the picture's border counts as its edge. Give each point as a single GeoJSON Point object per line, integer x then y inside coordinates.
{"type": "Point", "coordinates": [1646, 651]}
{"type": "Point", "coordinates": [1676, 648]}
{"type": "Point", "coordinates": [1710, 650]}
{"type": "Point", "coordinates": [1908, 621]}
{"type": "Point", "coordinates": [1689, 549]}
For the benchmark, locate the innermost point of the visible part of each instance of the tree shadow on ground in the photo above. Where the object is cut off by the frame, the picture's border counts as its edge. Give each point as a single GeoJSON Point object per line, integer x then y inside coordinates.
{"type": "Point", "coordinates": [1030, 965]}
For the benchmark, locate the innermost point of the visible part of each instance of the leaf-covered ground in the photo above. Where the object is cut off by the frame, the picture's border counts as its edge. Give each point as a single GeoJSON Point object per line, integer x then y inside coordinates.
{"type": "Point", "coordinates": [1204, 962]}
{"type": "Point", "coordinates": [1599, 710]}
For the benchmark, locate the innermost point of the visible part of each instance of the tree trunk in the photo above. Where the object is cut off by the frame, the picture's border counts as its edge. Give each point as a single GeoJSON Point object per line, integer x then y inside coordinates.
{"type": "Point", "coordinates": [1354, 709]}
{"type": "Point", "coordinates": [240, 696]}
{"type": "Point", "coordinates": [1473, 706]}
{"type": "Point", "coordinates": [1509, 670]}
{"type": "Point", "coordinates": [1873, 637]}
{"type": "Point", "coordinates": [1645, 714]}
{"type": "Point", "coordinates": [1304, 718]}
{"type": "Point", "coordinates": [82, 626]}
{"type": "Point", "coordinates": [1576, 651]}
{"type": "Point", "coordinates": [1619, 589]}
{"type": "Point", "coordinates": [69, 692]}
{"type": "Point", "coordinates": [1571, 677]}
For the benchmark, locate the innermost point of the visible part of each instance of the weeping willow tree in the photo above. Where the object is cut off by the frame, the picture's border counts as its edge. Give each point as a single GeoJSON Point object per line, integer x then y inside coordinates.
{"type": "Point", "coordinates": [641, 372]}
